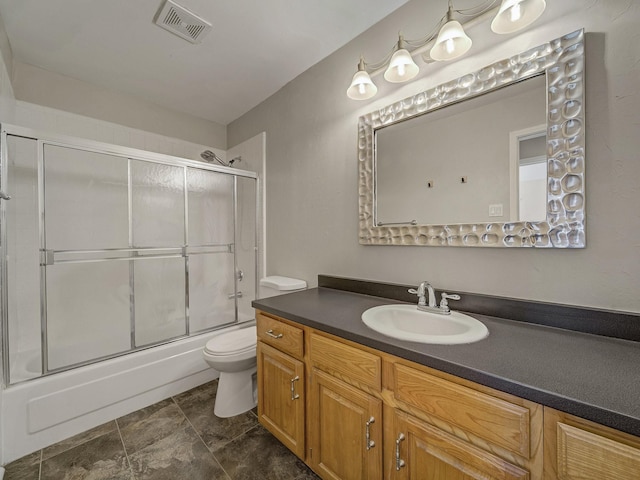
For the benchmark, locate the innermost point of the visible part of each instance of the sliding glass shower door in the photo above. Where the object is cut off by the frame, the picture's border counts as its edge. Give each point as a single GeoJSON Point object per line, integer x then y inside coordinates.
{"type": "Point", "coordinates": [211, 240]}
{"type": "Point", "coordinates": [85, 215]}
{"type": "Point", "coordinates": [108, 253]}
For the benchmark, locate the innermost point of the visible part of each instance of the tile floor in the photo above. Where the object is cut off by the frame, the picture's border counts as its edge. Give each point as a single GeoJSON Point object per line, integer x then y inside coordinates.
{"type": "Point", "coordinates": [177, 438]}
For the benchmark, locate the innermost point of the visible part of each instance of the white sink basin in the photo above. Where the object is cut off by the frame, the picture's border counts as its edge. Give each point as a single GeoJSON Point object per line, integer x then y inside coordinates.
{"type": "Point", "coordinates": [406, 322]}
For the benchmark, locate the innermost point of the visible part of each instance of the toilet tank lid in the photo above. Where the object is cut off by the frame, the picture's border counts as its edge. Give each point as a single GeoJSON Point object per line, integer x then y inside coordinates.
{"type": "Point", "coordinates": [283, 283]}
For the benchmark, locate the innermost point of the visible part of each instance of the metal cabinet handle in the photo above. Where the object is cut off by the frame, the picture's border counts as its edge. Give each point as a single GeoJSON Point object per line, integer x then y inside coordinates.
{"type": "Point", "coordinates": [370, 443]}
{"type": "Point", "coordinates": [294, 395]}
{"type": "Point", "coordinates": [273, 335]}
{"type": "Point", "coordinates": [399, 461]}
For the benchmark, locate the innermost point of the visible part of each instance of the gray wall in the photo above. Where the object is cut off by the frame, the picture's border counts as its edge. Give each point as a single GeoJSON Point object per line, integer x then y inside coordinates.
{"type": "Point", "coordinates": [42, 87]}
{"type": "Point", "coordinates": [311, 187]}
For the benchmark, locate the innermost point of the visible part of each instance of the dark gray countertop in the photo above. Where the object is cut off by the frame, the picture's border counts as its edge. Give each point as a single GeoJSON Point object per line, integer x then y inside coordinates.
{"type": "Point", "coordinates": [594, 377]}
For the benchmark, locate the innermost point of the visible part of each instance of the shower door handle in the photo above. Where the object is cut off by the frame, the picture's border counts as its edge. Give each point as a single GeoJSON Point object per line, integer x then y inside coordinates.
{"type": "Point", "coordinates": [234, 295]}
{"type": "Point", "coordinates": [4, 196]}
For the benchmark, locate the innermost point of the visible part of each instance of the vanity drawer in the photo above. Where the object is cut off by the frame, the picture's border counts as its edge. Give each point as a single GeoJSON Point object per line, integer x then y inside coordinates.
{"type": "Point", "coordinates": [497, 421]}
{"type": "Point", "coordinates": [345, 362]}
{"type": "Point", "coordinates": [281, 335]}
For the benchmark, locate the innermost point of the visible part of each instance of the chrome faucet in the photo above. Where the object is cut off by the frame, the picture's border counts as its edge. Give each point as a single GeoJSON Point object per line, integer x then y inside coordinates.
{"type": "Point", "coordinates": [425, 287]}
{"type": "Point", "coordinates": [432, 306]}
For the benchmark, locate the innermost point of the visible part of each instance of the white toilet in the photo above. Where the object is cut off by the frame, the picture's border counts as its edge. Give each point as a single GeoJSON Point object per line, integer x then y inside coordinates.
{"type": "Point", "coordinates": [233, 354]}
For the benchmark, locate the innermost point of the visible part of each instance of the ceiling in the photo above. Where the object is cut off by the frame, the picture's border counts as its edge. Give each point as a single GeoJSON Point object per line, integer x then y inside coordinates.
{"type": "Point", "coordinates": [254, 48]}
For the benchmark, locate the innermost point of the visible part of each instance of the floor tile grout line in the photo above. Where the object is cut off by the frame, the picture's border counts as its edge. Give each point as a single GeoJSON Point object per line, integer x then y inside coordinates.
{"type": "Point", "coordinates": [238, 436]}
{"type": "Point", "coordinates": [201, 439]}
{"type": "Point", "coordinates": [42, 459]}
{"type": "Point", "coordinates": [124, 447]}
{"type": "Point", "coordinates": [40, 464]}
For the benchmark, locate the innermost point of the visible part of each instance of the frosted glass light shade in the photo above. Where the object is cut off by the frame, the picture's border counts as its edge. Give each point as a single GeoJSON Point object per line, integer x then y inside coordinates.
{"type": "Point", "coordinates": [401, 67]}
{"type": "Point", "coordinates": [362, 87]}
{"type": "Point", "coordinates": [514, 15]}
{"type": "Point", "coordinates": [452, 42]}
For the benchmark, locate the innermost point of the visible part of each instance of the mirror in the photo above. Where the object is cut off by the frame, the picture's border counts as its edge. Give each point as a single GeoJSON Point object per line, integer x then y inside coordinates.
{"type": "Point", "coordinates": [422, 162]}
{"type": "Point", "coordinates": [494, 158]}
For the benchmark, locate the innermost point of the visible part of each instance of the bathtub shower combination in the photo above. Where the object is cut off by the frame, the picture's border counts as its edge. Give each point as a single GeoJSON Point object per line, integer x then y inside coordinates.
{"type": "Point", "coordinates": [118, 265]}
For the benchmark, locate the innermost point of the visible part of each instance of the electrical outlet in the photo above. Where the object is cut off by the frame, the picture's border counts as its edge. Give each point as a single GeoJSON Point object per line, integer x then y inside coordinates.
{"type": "Point", "coordinates": [495, 210]}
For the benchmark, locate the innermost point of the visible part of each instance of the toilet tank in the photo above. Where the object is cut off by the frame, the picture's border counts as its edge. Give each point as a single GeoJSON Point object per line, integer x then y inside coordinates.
{"type": "Point", "coordinates": [277, 285]}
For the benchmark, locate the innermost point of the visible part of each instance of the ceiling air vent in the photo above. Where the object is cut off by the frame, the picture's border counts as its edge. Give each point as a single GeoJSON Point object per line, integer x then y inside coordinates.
{"type": "Point", "coordinates": [180, 21]}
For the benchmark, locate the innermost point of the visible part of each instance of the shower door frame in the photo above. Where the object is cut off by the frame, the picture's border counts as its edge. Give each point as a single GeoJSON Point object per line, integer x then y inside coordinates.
{"type": "Point", "coordinates": [43, 138]}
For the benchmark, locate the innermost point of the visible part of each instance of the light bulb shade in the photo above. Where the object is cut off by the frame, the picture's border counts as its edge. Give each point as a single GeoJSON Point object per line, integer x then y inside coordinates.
{"type": "Point", "coordinates": [362, 87]}
{"type": "Point", "coordinates": [514, 15]}
{"type": "Point", "coordinates": [401, 67]}
{"type": "Point", "coordinates": [452, 42]}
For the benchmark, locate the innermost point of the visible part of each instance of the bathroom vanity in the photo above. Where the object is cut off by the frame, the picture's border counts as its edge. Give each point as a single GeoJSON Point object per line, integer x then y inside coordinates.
{"type": "Point", "coordinates": [527, 402]}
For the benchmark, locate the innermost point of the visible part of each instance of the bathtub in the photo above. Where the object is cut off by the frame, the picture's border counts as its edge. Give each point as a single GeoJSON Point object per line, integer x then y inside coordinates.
{"type": "Point", "coordinates": [43, 411]}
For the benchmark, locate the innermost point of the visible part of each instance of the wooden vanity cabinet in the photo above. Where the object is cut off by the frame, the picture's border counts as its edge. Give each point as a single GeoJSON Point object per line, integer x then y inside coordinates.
{"type": "Point", "coordinates": [281, 382]}
{"type": "Point", "coordinates": [354, 413]}
{"type": "Point", "coordinates": [576, 448]}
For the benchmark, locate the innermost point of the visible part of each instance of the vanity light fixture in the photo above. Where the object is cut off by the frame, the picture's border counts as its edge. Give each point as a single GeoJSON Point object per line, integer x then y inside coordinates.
{"type": "Point", "coordinates": [362, 87]}
{"type": "Point", "coordinates": [514, 15]}
{"type": "Point", "coordinates": [452, 41]}
{"type": "Point", "coordinates": [448, 41]}
{"type": "Point", "coordinates": [401, 68]}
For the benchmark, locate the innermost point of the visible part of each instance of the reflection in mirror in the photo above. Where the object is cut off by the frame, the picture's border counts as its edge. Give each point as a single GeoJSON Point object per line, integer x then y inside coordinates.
{"type": "Point", "coordinates": [453, 166]}
{"type": "Point", "coordinates": [528, 166]}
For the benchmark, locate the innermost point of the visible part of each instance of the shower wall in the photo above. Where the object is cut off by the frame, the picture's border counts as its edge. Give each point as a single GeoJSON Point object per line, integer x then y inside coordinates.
{"type": "Point", "coordinates": [7, 111]}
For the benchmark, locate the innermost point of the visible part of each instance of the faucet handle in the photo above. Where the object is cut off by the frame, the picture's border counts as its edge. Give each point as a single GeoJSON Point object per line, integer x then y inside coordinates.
{"type": "Point", "coordinates": [444, 303]}
{"type": "Point", "coordinates": [420, 293]}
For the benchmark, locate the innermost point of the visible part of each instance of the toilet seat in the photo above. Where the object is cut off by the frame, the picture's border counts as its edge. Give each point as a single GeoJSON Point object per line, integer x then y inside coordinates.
{"type": "Point", "coordinates": [233, 355]}
{"type": "Point", "coordinates": [232, 343]}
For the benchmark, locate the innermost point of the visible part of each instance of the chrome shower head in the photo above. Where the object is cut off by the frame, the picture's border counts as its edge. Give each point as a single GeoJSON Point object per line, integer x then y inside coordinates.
{"type": "Point", "coordinates": [208, 155]}
{"type": "Point", "coordinates": [211, 157]}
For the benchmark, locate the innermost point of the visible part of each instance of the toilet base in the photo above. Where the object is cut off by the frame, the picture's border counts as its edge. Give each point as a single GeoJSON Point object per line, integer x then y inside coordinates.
{"type": "Point", "coordinates": [236, 393]}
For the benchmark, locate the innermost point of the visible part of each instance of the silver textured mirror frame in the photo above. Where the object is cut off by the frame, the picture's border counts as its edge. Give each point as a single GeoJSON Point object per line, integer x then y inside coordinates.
{"type": "Point", "coordinates": [562, 60]}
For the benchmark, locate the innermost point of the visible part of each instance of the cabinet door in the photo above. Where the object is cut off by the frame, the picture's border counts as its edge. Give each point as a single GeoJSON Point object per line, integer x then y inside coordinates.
{"type": "Point", "coordinates": [281, 397]}
{"type": "Point", "coordinates": [579, 449]}
{"type": "Point", "coordinates": [345, 427]}
{"type": "Point", "coordinates": [416, 450]}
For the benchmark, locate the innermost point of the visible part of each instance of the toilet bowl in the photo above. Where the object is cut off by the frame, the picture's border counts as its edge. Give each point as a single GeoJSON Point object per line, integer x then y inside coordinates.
{"type": "Point", "coordinates": [233, 354]}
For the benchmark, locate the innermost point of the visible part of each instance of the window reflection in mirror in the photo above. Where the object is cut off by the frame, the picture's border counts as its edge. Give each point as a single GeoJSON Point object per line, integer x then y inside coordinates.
{"type": "Point", "coordinates": [455, 164]}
